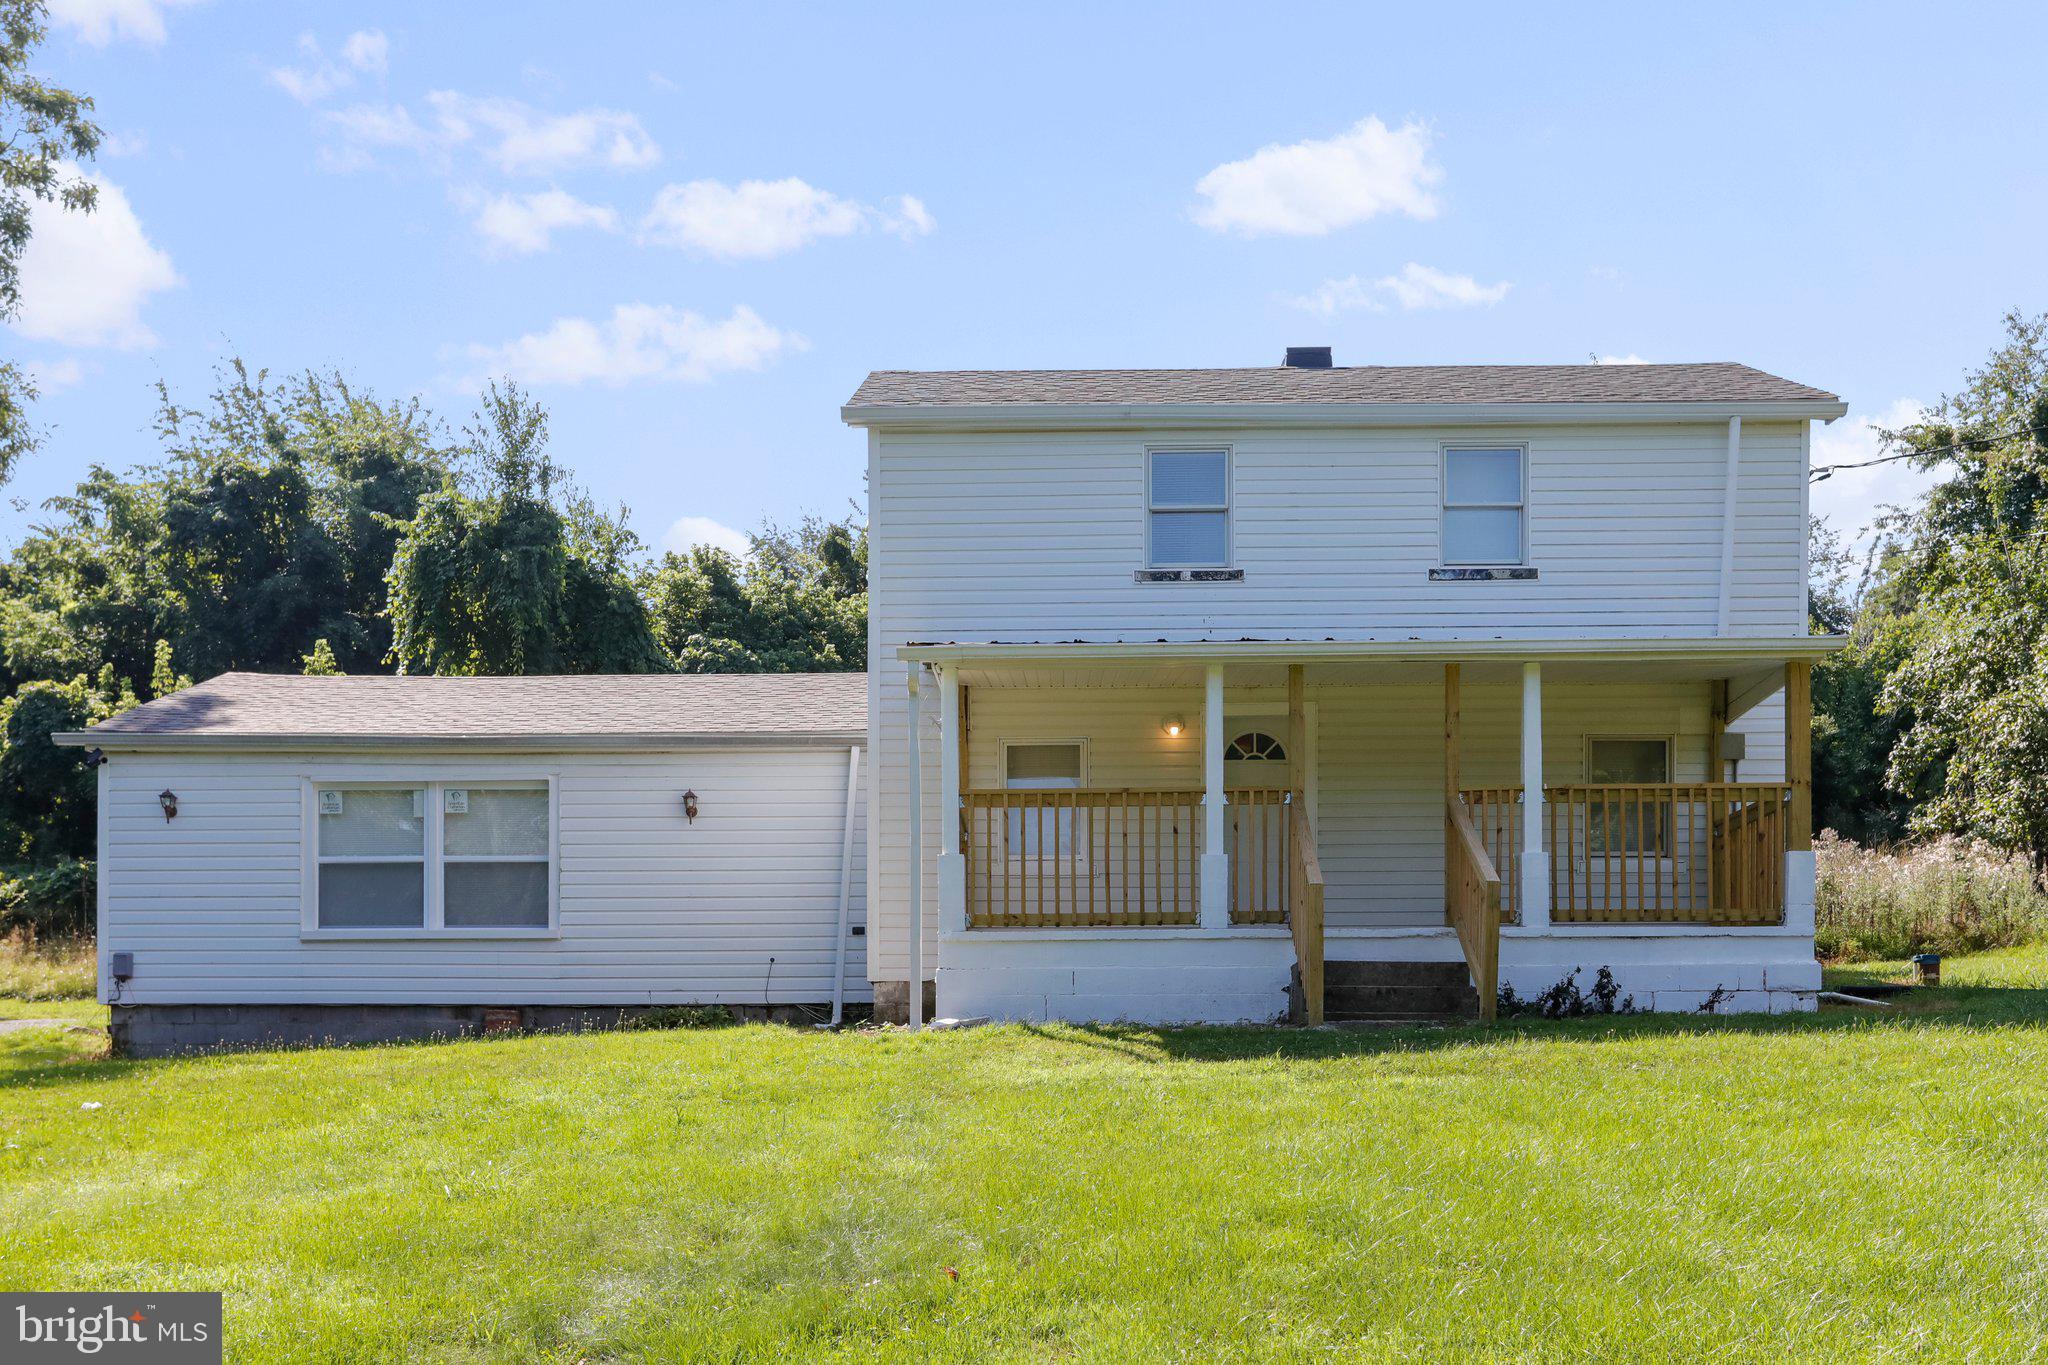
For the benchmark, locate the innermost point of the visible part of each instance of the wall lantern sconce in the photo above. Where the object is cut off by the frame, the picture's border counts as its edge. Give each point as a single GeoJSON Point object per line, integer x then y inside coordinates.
{"type": "Point", "coordinates": [168, 799]}
{"type": "Point", "coordinates": [1174, 726]}
{"type": "Point", "coordinates": [690, 807]}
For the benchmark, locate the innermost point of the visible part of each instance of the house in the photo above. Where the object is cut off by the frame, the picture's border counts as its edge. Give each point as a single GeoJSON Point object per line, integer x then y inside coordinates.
{"type": "Point", "coordinates": [291, 859]}
{"type": "Point", "coordinates": [1315, 691]}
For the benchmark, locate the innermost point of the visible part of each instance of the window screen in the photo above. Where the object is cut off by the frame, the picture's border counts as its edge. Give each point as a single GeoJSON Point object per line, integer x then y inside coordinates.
{"type": "Point", "coordinates": [372, 857]}
{"type": "Point", "coordinates": [1041, 767]}
{"type": "Point", "coordinates": [1188, 508]}
{"type": "Point", "coordinates": [495, 851]}
{"type": "Point", "coordinates": [1625, 825]}
{"type": "Point", "coordinates": [1484, 505]}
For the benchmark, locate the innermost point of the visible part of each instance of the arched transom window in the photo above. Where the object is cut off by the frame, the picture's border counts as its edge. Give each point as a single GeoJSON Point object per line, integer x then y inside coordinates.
{"type": "Point", "coordinates": [1256, 745]}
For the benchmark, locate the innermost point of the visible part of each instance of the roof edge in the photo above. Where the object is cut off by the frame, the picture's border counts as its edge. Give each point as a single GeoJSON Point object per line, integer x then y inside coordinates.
{"type": "Point", "coordinates": [137, 741]}
{"type": "Point", "coordinates": [1621, 649]}
{"type": "Point", "coordinates": [1101, 416]}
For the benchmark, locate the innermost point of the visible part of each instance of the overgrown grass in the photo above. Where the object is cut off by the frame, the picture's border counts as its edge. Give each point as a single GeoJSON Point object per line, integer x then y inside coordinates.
{"type": "Point", "coordinates": [46, 969]}
{"type": "Point", "coordinates": [1948, 896]}
{"type": "Point", "coordinates": [1846, 1186]}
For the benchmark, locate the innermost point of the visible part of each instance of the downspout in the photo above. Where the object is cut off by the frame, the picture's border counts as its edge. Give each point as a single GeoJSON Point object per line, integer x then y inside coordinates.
{"type": "Point", "coordinates": [915, 985]}
{"type": "Point", "coordinates": [845, 883]}
{"type": "Point", "coordinates": [1728, 484]}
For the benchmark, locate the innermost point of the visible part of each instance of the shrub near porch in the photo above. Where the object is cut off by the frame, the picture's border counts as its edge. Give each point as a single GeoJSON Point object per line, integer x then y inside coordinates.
{"type": "Point", "coordinates": [1628, 1189]}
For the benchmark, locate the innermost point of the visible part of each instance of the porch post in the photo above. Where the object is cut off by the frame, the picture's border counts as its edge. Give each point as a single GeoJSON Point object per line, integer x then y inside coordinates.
{"type": "Point", "coordinates": [914, 947]}
{"type": "Point", "coordinates": [1534, 887]}
{"type": "Point", "coordinates": [952, 858]}
{"type": "Point", "coordinates": [1800, 870]}
{"type": "Point", "coordinates": [1215, 889]}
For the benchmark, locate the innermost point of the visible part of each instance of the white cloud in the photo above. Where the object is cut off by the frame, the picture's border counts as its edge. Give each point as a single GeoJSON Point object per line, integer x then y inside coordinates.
{"type": "Point", "coordinates": [513, 136]}
{"type": "Point", "coordinates": [684, 532]}
{"type": "Point", "coordinates": [520, 139]}
{"type": "Point", "coordinates": [1852, 499]}
{"type": "Point", "coordinates": [1630, 359]}
{"type": "Point", "coordinates": [756, 219]}
{"type": "Point", "coordinates": [86, 276]}
{"type": "Point", "coordinates": [365, 51]}
{"type": "Point", "coordinates": [638, 341]}
{"type": "Point", "coordinates": [100, 22]}
{"type": "Point", "coordinates": [1416, 287]}
{"type": "Point", "coordinates": [52, 375]}
{"type": "Point", "coordinates": [116, 145]}
{"type": "Point", "coordinates": [1307, 189]}
{"type": "Point", "coordinates": [522, 224]}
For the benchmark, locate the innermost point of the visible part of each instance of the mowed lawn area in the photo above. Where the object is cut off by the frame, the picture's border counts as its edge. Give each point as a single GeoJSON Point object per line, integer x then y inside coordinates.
{"type": "Point", "coordinates": [1854, 1185]}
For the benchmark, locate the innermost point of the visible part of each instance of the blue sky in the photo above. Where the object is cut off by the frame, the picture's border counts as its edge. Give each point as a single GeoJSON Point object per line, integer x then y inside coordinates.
{"type": "Point", "coordinates": [694, 229]}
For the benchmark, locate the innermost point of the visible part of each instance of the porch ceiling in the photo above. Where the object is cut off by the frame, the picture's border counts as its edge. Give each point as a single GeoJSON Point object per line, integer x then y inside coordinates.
{"type": "Point", "coordinates": [1750, 663]}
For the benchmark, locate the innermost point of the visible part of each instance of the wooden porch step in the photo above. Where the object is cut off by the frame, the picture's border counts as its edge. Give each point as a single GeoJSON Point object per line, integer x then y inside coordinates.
{"type": "Point", "coordinates": [1398, 992]}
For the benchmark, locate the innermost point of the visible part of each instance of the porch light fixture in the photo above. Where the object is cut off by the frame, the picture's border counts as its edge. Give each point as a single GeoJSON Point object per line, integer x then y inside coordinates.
{"type": "Point", "coordinates": [1173, 726]}
{"type": "Point", "coordinates": [690, 807]}
{"type": "Point", "coordinates": [168, 799]}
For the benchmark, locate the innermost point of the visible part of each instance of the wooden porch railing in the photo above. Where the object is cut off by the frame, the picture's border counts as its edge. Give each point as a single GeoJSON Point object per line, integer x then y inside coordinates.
{"type": "Point", "coordinates": [1668, 853]}
{"type": "Point", "coordinates": [1497, 818]}
{"type": "Point", "coordinates": [1105, 859]}
{"type": "Point", "coordinates": [1305, 911]}
{"type": "Point", "coordinates": [1472, 901]}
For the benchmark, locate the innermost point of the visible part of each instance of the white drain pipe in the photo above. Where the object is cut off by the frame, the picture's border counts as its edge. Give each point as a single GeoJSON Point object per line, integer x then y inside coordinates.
{"type": "Point", "coordinates": [845, 883]}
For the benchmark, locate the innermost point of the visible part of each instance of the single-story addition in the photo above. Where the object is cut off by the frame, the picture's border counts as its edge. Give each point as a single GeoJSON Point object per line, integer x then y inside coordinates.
{"type": "Point", "coordinates": [293, 859]}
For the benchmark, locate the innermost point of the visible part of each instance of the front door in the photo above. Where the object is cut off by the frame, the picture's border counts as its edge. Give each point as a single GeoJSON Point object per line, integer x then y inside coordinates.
{"type": "Point", "coordinates": [1255, 771]}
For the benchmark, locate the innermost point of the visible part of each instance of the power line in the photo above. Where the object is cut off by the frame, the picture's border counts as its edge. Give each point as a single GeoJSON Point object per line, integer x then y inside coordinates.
{"type": "Point", "coordinates": [1827, 470]}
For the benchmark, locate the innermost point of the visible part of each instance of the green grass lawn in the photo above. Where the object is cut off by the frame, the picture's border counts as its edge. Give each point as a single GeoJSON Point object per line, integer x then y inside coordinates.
{"type": "Point", "coordinates": [1852, 1185]}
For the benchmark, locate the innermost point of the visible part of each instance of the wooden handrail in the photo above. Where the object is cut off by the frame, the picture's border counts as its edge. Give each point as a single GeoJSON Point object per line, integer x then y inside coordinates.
{"type": "Point", "coordinates": [1305, 910]}
{"type": "Point", "coordinates": [1472, 902]}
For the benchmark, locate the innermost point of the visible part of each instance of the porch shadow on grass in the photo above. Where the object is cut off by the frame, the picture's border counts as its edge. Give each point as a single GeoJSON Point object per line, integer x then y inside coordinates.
{"type": "Point", "coordinates": [1985, 1007]}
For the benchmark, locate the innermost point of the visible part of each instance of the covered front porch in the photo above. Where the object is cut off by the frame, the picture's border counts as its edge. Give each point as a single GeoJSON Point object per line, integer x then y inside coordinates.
{"type": "Point", "coordinates": [1173, 833]}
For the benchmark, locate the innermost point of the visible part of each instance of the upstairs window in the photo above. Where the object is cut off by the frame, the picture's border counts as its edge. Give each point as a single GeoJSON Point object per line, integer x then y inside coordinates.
{"type": "Point", "coordinates": [1485, 502]}
{"type": "Point", "coordinates": [1187, 496]}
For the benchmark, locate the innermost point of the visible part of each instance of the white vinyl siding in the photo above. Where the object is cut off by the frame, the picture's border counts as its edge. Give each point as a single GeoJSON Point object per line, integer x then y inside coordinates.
{"type": "Point", "coordinates": [1188, 509]}
{"type": "Point", "coordinates": [1335, 531]}
{"type": "Point", "coordinates": [652, 909]}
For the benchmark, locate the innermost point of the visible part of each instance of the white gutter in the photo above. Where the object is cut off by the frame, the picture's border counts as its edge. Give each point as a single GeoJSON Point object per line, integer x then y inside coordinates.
{"type": "Point", "coordinates": [1114, 416]}
{"type": "Point", "coordinates": [845, 883]}
{"type": "Point", "coordinates": [1729, 479]}
{"type": "Point", "coordinates": [1618, 650]}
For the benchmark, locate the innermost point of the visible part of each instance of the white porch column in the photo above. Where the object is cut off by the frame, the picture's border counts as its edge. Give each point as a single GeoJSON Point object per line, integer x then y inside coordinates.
{"type": "Point", "coordinates": [1215, 862]}
{"type": "Point", "coordinates": [952, 859]}
{"type": "Point", "coordinates": [914, 946]}
{"type": "Point", "coordinates": [1534, 886]}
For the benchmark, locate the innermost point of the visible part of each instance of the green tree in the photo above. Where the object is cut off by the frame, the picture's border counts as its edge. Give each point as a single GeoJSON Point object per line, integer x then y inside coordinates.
{"type": "Point", "coordinates": [47, 795]}
{"type": "Point", "coordinates": [516, 574]}
{"type": "Point", "coordinates": [797, 605]}
{"type": "Point", "coordinates": [1964, 606]}
{"type": "Point", "coordinates": [45, 130]}
{"type": "Point", "coordinates": [320, 662]}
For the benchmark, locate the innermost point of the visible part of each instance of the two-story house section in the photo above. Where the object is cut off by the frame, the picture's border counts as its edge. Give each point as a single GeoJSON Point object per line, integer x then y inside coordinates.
{"type": "Point", "coordinates": [1362, 691]}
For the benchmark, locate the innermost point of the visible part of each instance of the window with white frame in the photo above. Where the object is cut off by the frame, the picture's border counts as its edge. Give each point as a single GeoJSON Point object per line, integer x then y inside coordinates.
{"type": "Point", "coordinates": [1485, 505]}
{"type": "Point", "coordinates": [1055, 765]}
{"type": "Point", "coordinates": [1187, 499]}
{"type": "Point", "coordinates": [1623, 826]}
{"type": "Point", "coordinates": [459, 857]}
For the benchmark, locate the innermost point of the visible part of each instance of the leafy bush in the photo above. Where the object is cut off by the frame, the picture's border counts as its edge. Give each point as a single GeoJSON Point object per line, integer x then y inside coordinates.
{"type": "Point", "coordinates": [683, 1016]}
{"type": "Point", "coordinates": [33, 968]}
{"type": "Point", "coordinates": [48, 899]}
{"type": "Point", "coordinates": [1566, 1001]}
{"type": "Point", "coordinates": [1946, 896]}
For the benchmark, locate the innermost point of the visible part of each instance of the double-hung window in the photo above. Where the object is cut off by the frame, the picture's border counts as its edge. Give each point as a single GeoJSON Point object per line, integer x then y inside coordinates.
{"type": "Point", "coordinates": [1042, 766]}
{"type": "Point", "coordinates": [1187, 500]}
{"type": "Point", "coordinates": [1629, 825]}
{"type": "Point", "coordinates": [431, 857]}
{"type": "Point", "coordinates": [1485, 505]}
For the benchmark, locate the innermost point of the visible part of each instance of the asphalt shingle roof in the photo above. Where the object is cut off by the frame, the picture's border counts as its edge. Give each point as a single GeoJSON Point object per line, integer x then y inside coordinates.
{"type": "Point", "coordinates": [1704, 383]}
{"type": "Point", "coordinates": [247, 707]}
